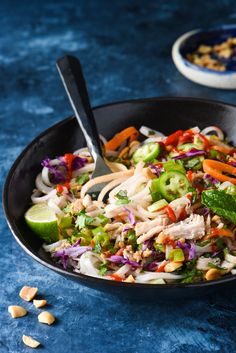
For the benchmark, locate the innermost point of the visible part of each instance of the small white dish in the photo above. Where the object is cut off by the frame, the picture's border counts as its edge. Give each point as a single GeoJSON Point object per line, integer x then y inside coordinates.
{"type": "Point", "coordinates": [189, 41]}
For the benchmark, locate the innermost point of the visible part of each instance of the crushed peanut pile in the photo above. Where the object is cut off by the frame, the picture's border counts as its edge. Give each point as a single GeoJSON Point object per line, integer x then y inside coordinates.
{"type": "Point", "coordinates": [214, 57]}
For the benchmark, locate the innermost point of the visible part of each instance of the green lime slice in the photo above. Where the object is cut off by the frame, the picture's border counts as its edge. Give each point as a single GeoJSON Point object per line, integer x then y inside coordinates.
{"type": "Point", "coordinates": [42, 220]}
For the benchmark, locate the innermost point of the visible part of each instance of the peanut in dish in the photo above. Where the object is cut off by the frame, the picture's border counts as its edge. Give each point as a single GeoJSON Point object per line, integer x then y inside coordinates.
{"type": "Point", "coordinates": [213, 57]}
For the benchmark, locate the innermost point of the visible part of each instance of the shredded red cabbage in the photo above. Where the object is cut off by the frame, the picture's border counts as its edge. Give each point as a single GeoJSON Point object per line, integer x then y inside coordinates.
{"type": "Point", "coordinates": [78, 162]}
{"type": "Point", "coordinates": [152, 266]}
{"type": "Point", "coordinates": [57, 172]}
{"type": "Point", "coordinates": [210, 179]}
{"type": "Point", "coordinates": [192, 153]}
{"type": "Point", "coordinates": [155, 169]}
{"type": "Point", "coordinates": [205, 211]}
{"type": "Point", "coordinates": [148, 244]}
{"type": "Point", "coordinates": [126, 229]}
{"type": "Point", "coordinates": [130, 216]}
{"type": "Point", "coordinates": [188, 247]}
{"type": "Point", "coordinates": [121, 260]}
{"type": "Point", "coordinates": [71, 252]}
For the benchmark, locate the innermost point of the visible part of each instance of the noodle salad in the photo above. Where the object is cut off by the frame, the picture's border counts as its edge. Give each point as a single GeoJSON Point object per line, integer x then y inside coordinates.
{"type": "Point", "coordinates": [167, 213]}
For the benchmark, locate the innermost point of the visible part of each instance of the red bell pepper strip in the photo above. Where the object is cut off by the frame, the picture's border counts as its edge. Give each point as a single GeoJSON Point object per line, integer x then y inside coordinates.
{"type": "Point", "coordinates": [171, 213]}
{"type": "Point", "coordinates": [173, 139]}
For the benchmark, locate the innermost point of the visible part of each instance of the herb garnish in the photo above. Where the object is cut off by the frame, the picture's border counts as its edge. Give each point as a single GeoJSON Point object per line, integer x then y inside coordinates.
{"type": "Point", "coordinates": [122, 197]}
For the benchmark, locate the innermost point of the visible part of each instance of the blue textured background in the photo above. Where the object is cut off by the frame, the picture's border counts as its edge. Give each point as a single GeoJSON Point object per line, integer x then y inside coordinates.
{"type": "Point", "coordinates": [125, 50]}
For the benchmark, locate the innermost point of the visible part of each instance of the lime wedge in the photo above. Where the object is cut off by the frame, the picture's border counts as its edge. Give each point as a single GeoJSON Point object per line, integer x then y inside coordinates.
{"type": "Point", "coordinates": [43, 222]}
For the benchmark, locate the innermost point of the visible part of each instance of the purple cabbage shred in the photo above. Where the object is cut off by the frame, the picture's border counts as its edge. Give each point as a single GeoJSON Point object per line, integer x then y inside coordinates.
{"type": "Point", "coordinates": [57, 172]}
{"type": "Point", "coordinates": [122, 260]}
{"type": "Point", "coordinates": [130, 216]}
{"type": "Point", "coordinates": [72, 252]}
{"type": "Point", "coordinates": [155, 169]}
{"type": "Point", "coordinates": [192, 153]}
{"type": "Point", "coordinates": [78, 162]}
{"type": "Point", "coordinates": [210, 179]}
{"type": "Point", "coordinates": [188, 247]}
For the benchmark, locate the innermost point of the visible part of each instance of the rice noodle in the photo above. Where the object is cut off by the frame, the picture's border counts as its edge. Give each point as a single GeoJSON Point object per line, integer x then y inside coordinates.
{"type": "Point", "coordinates": [146, 131]}
{"type": "Point", "coordinates": [88, 264]}
{"type": "Point", "coordinates": [41, 186]}
{"type": "Point", "coordinates": [103, 179]}
{"type": "Point", "coordinates": [38, 199]}
{"type": "Point", "coordinates": [213, 129]}
{"type": "Point", "coordinates": [148, 276]}
{"type": "Point", "coordinates": [109, 187]}
{"type": "Point", "coordinates": [45, 176]}
{"type": "Point", "coordinates": [123, 270]}
{"type": "Point", "coordinates": [88, 168]}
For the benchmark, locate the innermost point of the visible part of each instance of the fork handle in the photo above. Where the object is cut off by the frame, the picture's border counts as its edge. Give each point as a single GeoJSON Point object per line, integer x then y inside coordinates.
{"type": "Point", "coordinates": [70, 70]}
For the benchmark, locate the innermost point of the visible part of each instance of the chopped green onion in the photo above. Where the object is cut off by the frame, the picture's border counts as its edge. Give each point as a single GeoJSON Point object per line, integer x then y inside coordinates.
{"type": "Point", "coordinates": [176, 255]}
{"type": "Point", "coordinates": [122, 197]}
{"type": "Point", "coordinates": [157, 205]}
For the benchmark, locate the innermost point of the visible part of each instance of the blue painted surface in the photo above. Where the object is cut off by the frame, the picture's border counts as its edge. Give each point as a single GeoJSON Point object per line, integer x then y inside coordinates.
{"type": "Point", "coordinates": [125, 49]}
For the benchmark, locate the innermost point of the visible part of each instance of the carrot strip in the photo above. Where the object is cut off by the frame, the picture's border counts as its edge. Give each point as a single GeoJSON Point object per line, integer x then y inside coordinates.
{"type": "Point", "coordinates": [225, 150]}
{"type": "Point", "coordinates": [216, 169]}
{"type": "Point", "coordinates": [219, 232]}
{"type": "Point", "coordinates": [128, 133]}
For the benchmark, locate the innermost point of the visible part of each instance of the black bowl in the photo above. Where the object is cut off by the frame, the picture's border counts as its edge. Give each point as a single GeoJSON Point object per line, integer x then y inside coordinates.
{"type": "Point", "coordinates": [163, 114]}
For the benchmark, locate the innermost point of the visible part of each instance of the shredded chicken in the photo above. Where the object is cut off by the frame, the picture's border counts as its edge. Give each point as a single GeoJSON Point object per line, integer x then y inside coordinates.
{"type": "Point", "coordinates": [154, 231]}
{"type": "Point", "coordinates": [192, 227]}
{"type": "Point", "coordinates": [202, 262]}
{"type": "Point", "coordinates": [144, 227]}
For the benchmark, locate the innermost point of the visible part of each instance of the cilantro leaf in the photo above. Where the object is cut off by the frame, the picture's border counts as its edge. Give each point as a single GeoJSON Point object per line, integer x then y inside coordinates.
{"type": "Point", "coordinates": [97, 248]}
{"type": "Point", "coordinates": [67, 208]}
{"type": "Point", "coordinates": [82, 179]}
{"type": "Point", "coordinates": [83, 220]}
{"type": "Point", "coordinates": [190, 272]}
{"type": "Point", "coordinates": [122, 197]}
{"type": "Point", "coordinates": [212, 265]}
{"type": "Point", "coordinates": [103, 268]}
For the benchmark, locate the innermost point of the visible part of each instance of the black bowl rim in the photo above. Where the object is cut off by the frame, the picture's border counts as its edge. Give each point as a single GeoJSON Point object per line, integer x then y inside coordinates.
{"type": "Point", "coordinates": [85, 278]}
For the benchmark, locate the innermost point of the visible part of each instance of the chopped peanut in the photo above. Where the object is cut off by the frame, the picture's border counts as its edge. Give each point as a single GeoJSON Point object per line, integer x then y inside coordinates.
{"type": "Point", "coordinates": [148, 173]}
{"type": "Point", "coordinates": [160, 239]}
{"type": "Point", "coordinates": [28, 293]}
{"type": "Point", "coordinates": [30, 342]}
{"type": "Point", "coordinates": [46, 318]}
{"type": "Point", "coordinates": [133, 147]}
{"type": "Point", "coordinates": [226, 53]}
{"type": "Point", "coordinates": [172, 266]}
{"type": "Point", "coordinates": [39, 303]}
{"type": "Point", "coordinates": [147, 252]}
{"type": "Point", "coordinates": [216, 219]}
{"type": "Point", "coordinates": [17, 311]}
{"type": "Point", "coordinates": [212, 274]}
{"type": "Point", "coordinates": [204, 49]}
{"type": "Point", "coordinates": [124, 152]}
{"type": "Point", "coordinates": [129, 279]}
{"type": "Point", "coordinates": [77, 206]}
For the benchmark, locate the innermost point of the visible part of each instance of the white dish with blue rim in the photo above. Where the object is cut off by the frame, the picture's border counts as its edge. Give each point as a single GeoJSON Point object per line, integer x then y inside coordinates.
{"type": "Point", "coordinates": [189, 42]}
